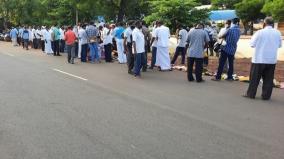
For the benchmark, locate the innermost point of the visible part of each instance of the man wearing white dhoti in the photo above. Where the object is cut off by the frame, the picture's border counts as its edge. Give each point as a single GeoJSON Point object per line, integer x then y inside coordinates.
{"type": "Point", "coordinates": [163, 57]}
{"type": "Point", "coordinates": [47, 37]}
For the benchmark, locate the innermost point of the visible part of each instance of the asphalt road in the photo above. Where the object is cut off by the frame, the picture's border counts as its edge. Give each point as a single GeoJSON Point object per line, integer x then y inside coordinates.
{"type": "Point", "coordinates": [52, 110]}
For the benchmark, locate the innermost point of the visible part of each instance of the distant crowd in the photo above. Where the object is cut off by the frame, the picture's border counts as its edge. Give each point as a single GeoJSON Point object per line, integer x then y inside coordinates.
{"type": "Point", "coordinates": [132, 41]}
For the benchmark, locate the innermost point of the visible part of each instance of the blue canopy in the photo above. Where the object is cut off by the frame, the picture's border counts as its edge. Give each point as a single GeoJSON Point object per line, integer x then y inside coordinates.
{"type": "Point", "coordinates": [222, 15]}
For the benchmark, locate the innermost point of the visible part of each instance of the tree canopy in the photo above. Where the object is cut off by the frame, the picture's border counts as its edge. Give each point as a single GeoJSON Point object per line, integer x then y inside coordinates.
{"type": "Point", "coordinates": [176, 12]}
{"type": "Point", "coordinates": [172, 12]}
{"type": "Point", "coordinates": [49, 12]}
{"type": "Point", "coordinates": [274, 8]}
{"type": "Point", "coordinates": [250, 11]}
{"type": "Point", "coordinates": [225, 4]}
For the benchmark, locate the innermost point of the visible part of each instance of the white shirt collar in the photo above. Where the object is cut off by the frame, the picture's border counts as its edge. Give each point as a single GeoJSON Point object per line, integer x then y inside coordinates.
{"type": "Point", "coordinates": [268, 27]}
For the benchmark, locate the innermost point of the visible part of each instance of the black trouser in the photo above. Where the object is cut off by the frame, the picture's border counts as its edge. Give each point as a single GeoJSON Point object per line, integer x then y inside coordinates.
{"type": "Point", "coordinates": [179, 51]}
{"type": "Point", "coordinates": [266, 72]}
{"type": "Point", "coordinates": [56, 47]}
{"type": "Point", "coordinates": [52, 46]}
{"type": "Point", "coordinates": [26, 44]}
{"type": "Point", "coordinates": [206, 61]}
{"type": "Point", "coordinates": [76, 49]}
{"type": "Point", "coordinates": [198, 68]}
{"type": "Point", "coordinates": [23, 42]}
{"type": "Point", "coordinates": [145, 62]}
{"type": "Point", "coordinates": [222, 60]}
{"type": "Point", "coordinates": [211, 47]}
{"type": "Point", "coordinates": [108, 51]}
{"type": "Point", "coordinates": [154, 54]}
{"type": "Point", "coordinates": [62, 45]}
{"type": "Point", "coordinates": [19, 39]}
{"type": "Point", "coordinates": [35, 43]}
{"type": "Point", "coordinates": [130, 57]}
{"type": "Point", "coordinates": [42, 45]}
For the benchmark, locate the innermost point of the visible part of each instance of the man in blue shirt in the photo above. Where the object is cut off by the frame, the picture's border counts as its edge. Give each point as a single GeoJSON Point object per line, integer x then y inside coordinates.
{"type": "Point", "coordinates": [25, 37]}
{"type": "Point", "coordinates": [13, 35]}
{"type": "Point", "coordinates": [118, 34]}
{"type": "Point", "coordinates": [228, 51]}
{"type": "Point", "coordinates": [197, 41]}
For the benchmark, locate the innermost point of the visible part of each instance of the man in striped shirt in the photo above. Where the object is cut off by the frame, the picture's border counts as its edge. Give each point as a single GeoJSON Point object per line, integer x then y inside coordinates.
{"type": "Point", "coordinates": [228, 51]}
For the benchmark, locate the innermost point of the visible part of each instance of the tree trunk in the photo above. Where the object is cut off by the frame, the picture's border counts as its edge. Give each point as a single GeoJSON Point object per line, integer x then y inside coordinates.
{"type": "Point", "coordinates": [251, 28]}
{"type": "Point", "coordinates": [121, 11]}
{"type": "Point", "coordinates": [5, 18]}
{"type": "Point", "coordinates": [246, 27]}
{"type": "Point", "coordinates": [77, 17]}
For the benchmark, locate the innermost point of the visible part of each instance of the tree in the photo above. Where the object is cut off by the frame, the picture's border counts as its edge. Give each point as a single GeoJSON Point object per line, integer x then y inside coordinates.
{"type": "Point", "coordinates": [120, 10]}
{"type": "Point", "coordinates": [204, 2]}
{"type": "Point", "coordinates": [7, 7]}
{"type": "Point", "coordinates": [225, 4]}
{"type": "Point", "coordinates": [274, 8]}
{"type": "Point", "coordinates": [249, 11]}
{"type": "Point", "coordinates": [174, 12]}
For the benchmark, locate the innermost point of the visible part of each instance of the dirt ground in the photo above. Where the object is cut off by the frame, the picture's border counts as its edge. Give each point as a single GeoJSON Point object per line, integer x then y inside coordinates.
{"type": "Point", "coordinates": [243, 59]}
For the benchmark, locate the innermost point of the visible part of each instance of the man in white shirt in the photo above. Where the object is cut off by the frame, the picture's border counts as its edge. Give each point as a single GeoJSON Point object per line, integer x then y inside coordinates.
{"type": "Point", "coordinates": [37, 37]}
{"type": "Point", "coordinates": [62, 41]}
{"type": "Point", "coordinates": [180, 50]}
{"type": "Point", "coordinates": [42, 39]}
{"type": "Point", "coordinates": [154, 45]}
{"type": "Point", "coordinates": [266, 43]}
{"type": "Point", "coordinates": [83, 41]}
{"type": "Point", "coordinates": [31, 36]}
{"type": "Point", "coordinates": [107, 40]}
{"type": "Point", "coordinates": [139, 48]}
{"type": "Point", "coordinates": [163, 57]}
{"type": "Point", "coordinates": [35, 45]}
{"type": "Point", "coordinates": [128, 46]}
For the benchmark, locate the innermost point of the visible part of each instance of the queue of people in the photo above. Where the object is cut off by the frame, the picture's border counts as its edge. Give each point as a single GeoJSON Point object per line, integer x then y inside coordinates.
{"type": "Point", "coordinates": [134, 41]}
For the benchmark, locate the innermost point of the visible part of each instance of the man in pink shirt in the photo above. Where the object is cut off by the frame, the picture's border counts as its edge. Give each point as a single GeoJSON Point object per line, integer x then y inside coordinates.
{"type": "Point", "coordinates": [70, 39]}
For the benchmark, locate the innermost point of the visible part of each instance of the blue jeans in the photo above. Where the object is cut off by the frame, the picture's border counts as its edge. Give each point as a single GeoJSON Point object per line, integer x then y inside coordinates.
{"type": "Point", "coordinates": [139, 63]}
{"type": "Point", "coordinates": [154, 54]}
{"type": "Point", "coordinates": [222, 60]}
{"type": "Point", "coordinates": [94, 52]}
{"type": "Point", "coordinates": [71, 53]}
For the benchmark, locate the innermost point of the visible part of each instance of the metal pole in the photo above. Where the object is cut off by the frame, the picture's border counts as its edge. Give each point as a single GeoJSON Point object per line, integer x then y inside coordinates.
{"type": "Point", "coordinates": [77, 16]}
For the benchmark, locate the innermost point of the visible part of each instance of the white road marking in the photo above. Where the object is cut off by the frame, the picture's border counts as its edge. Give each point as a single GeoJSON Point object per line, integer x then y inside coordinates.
{"type": "Point", "coordinates": [69, 74]}
{"type": "Point", "coordinates": [9, 54]}
{"type": "Point", "coordinates": [132, 146]}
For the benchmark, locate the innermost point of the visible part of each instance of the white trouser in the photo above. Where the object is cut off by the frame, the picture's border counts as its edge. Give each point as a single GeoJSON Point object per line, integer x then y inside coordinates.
{"type": "Point", "coordinates": [120, 51]}
{"type": "Point", "coordinates": [48, 48]}
{"type": "Point", "coordinates": [79, 49]}
{"type": "Point", "coordinates": [14, 41]}
{"type": "Point", "coordinates": [163, 58]}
